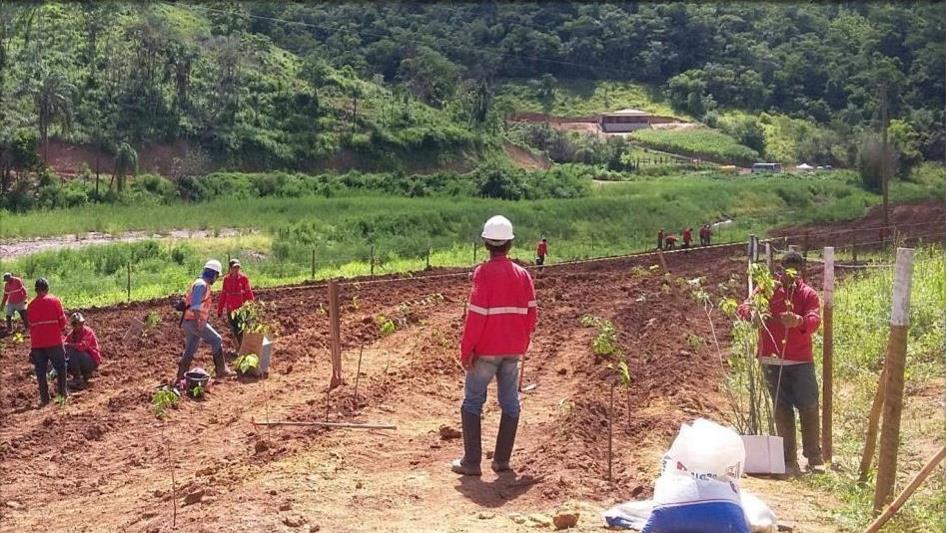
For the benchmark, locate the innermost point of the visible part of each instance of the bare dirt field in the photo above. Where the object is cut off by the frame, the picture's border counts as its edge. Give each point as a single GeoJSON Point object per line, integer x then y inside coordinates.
{"type": "Point", "coordinates": [103, 462]}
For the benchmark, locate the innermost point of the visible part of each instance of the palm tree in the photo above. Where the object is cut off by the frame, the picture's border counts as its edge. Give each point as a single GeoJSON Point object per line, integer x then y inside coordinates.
{"type": "Point", "coordinates": [126, 160]}
{"type": "Point", "coordinates": [53, 101]}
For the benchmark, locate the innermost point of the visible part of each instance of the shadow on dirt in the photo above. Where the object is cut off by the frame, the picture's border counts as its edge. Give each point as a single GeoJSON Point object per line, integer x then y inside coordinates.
{"type": "Point", "coordinates": [504, 489]}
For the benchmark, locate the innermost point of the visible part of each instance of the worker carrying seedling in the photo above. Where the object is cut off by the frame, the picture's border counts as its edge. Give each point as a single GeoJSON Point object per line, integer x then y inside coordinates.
{"type": "Point", "coordinates": [542, 250]}
{"type": "Point", "coordinates": [197, 308]}
{"type": "Point", "coordinates": [14, 300]}
{"type": "Point", "coordinates": [47, 322]}
{"type": "Point", "coordinates": [236, 292]}
{"type": "Point", "coordinates": [82, 351]}
{"type": "Point", "coordinates": [686, 237]}
{"type": "Point", "coordinates": [501, 317]}
{"type": "Point", "coordinates": [670, 242]}
{"type": "Point", "coordinates": [661, 239]}
{"type": "Point", "coordinates": [785, 351]}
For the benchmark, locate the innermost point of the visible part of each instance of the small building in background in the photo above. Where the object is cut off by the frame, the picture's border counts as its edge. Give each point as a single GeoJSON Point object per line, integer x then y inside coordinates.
{"type": "Point", "coordinates": [624, 120]}
{"type": "Point", "coordinates": [766, 167]}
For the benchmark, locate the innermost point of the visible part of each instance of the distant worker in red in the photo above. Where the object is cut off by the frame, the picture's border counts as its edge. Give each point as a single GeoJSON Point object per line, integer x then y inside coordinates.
{"type": "Point", "coordinates": [501, 317]}
{"type": "Point", "coordinates": [670, 242]}
{"type": "Point", "coordinates": [82, 351]}
{"type": "Point", "coordinates": [542, 250]}
{"type": "Point", "coordinates": [705, 235]}
{"type": "Point", "coordinates": [686, 237]}
{"type": "Point", "coordinates": [785, 351]}
{"type": "Point", "coordinates": [236, 292]}
{"type": "Point", "coordinates": [47, 322]}
{"type": "Point", "coordinates": [661, 239]}
{"type": "Point", "coordinates": [14, 300]}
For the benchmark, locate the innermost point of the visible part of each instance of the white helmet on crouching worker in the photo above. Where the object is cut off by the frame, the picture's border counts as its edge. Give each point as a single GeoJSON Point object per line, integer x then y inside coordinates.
{"type": "Point", "coordinates": [497, 231]}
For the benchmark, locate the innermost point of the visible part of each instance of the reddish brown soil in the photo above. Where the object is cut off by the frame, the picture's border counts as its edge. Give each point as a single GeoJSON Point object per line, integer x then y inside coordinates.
{"type": "Point", "coordinates": [103, 462]}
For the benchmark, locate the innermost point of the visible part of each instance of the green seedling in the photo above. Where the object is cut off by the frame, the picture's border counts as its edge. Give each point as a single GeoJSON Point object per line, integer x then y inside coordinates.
{"type": "Point", "coordinates": [59, 400]}
{"type": "Point", "coordinates": [386, 325]}
{"type": "Point", "coordinates": [248, 363]}
{"type": "Point", "coordinates": [197, 391]}
{"type": "Point", "coordinates": [162, 401]}
{"type": "Point", "coordinates": [152, 320]}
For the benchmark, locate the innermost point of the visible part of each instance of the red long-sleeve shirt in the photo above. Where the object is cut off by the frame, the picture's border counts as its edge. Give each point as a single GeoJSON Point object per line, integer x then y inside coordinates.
{"type": "Point", "coordinates": [798, 340]}
{"type": "Point", "coordinates": [47, 320]}
{"type": "Point", "coordinates": [13, 291]}
{"type": "Point", "coordinates": [542, 249]}
{"type": "Point", "coordinates": [501, 312]}
{"type": "Point", "coordinates": [686, 235]}
{"type": "Point", "coordinates": [84, 340]}
{"type": "Point", "coordinates": [235, 293]}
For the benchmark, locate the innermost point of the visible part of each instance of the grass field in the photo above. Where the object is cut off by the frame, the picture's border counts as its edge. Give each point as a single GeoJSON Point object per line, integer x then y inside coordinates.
{"type": "Point", "coordinates": [584, 97]}
{"type": "Point", "coordinates": [698, 142]}
{"type": "Point", "coordinates": [342, 232]}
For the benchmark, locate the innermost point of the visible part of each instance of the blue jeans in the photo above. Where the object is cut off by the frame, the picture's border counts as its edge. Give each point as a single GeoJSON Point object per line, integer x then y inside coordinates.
{"type": "Point", "coordinates": [41, 358]}
{"type": "Point", "coordinates": [193, 337]}
{"type": "Point", "coordinates": [506, 370]}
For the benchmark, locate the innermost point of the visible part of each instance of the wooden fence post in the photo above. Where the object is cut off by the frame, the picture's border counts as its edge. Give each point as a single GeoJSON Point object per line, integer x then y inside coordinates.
{"type": "Point", "coordinates": [894, 379]}
{"type": "Point", "coordinates": [769, 257]}
{"type": "Point", "coordinates": [475, 252]}
{"type": "Point", "coordinates": [908, 491]}
{"type": "Point", "coordinates": [312, 265]}
{"type": "Point", "coordinates": [828, 291]}
{"type": "Point", "coordinates": [334, 335]}
{"type": "Point", "coordinates": [128, 283]}
{"type": "Point", "coordinates": [871, 434]}
{"type": "Point", "coordinates": [427, 260]}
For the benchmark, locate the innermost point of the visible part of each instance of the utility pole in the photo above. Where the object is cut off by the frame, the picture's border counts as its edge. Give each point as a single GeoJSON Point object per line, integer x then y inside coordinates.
{"type": "Point", "coordinates": [884, 159]}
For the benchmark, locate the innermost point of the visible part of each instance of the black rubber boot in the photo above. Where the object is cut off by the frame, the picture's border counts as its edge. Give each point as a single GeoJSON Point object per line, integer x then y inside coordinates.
{"type": "Point", "coordinates": [10, 324]}
{"type": "Point", "coordinates": [470, 464]}
{"type": "Point", "coordinates": [810, 422]}
{"type": "Point", "coordinates": [183, 366]}
{"type": "Point", "coordinates": [506, 436]}
{"type": "Point", "coordinates": [785, 420]}
{"type": "Point", "coordinates": [220, 365]}
{"type": "Point", "coordinates": [26, 323]}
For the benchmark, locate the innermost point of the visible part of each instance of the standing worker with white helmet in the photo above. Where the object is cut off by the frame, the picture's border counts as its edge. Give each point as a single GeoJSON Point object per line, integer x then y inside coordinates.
{"type": "Point", "coordinates": [501, 317]}
{"type": "Point", "coordinates": [197, 308]}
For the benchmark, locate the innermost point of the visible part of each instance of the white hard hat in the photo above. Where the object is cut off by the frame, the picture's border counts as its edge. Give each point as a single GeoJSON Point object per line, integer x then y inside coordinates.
{"type": "Point", "coordinates": [214, 265]}
{"type": "Point", "coordinates": [498, 230]}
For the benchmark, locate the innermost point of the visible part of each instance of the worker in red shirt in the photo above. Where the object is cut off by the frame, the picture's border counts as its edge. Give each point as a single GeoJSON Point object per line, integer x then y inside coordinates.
{"type": "Point", "coordinates": [785, 351]}
{"type": "Point", "coordinates": [661, 239]}
{"type": "Point", "coordinates": [670, 242]}
{"type": "Point", "coordinates": [542, 250]}
{"type": "Point", "coordinates": [14, 300]}
{"type": "Point", "coordinates": [501, 317]}
{"type": "Point", "coordinates": [82, 351]}
{"type": "Point", "coordinates": [686, 237]}
{"type": "Point", "coordinates": [235, 293]}
{"type": "Point", "coordinates": [47, 322]}
{"type": "Point", "coordinates": [197, 309]}
{"type": "Point", "coordinates": [705, 235]}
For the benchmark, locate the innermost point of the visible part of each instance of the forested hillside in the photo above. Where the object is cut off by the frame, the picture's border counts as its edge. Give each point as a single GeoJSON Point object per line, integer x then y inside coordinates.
{"type": "Point", "coordinates": [291, 85]}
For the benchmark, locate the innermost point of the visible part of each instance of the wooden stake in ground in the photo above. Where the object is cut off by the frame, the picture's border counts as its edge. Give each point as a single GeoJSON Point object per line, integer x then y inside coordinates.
{"type": "Point", "coordinates": [907, 492]}
{"type": "Point", "coordinates": [769, 257]}
{"type": "Point", "coordinates": [335, 343]}
{"type": "Point", "coordinates": [828, 291]}
{"type": "Point", "coordinates": [358, 372]}
{"type": "Point", "coordinates": [611, 418]}
{"type": "Point", "coordinates": [894, 379]}
{"type": "Point", "coordinates": [871, 435]}
{"type": "Point", "coordinates": [347, 425]}
{"type": "Point", "coordinates": [664, 264]}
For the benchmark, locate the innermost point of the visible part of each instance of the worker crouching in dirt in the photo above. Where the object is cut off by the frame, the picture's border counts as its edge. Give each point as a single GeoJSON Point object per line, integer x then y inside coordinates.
{"type": "Point", "coordinates": [235, 293]}
{"type": "Point", "coordinates": [14, 300]}
{"type": "Point", "coordinates": [82, 351]}
{"type": "Point", "coordinates": [501, 317]}
{"type": "Point", "coordinates": [47, 322]}
{"type": "Point", "coordinates": [197, 307]}
{"type": "Point", "coordinates": [785, 351]}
